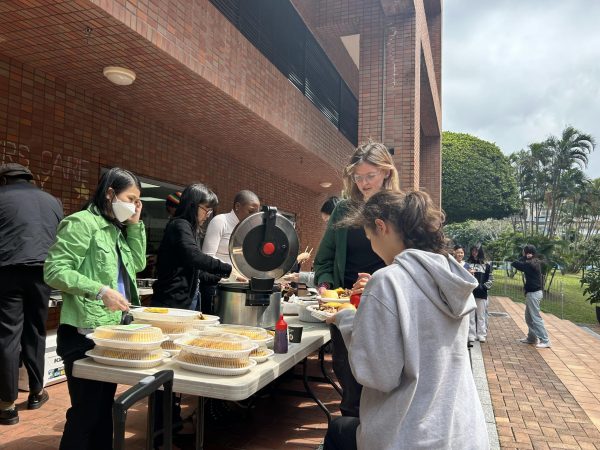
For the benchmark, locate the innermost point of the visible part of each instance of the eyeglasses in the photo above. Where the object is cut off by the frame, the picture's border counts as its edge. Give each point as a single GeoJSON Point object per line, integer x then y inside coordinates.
{"type": "Point", "coordinates": [368, 177]}
{"type": "Point", "coordinates": [208, 211]}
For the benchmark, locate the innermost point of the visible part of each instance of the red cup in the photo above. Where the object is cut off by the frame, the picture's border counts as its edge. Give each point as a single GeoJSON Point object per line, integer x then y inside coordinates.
{"type": "Point", "coordinates": [355, 300]}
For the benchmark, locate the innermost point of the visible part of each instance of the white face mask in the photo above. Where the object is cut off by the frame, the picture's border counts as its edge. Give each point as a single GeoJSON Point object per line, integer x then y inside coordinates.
{"type": "Point", "coordinates": [123, 210]}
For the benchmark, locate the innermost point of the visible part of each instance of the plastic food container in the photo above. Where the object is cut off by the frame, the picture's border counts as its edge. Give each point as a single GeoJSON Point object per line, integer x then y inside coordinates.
{"type": "Point", "coordinates": [100, 357]}
{"type": "Point", "coordinates": [133, 336]}
{"type": "Point", "coordinates": [303, 314]}
{"type": "Point", "coordinates": [317, 314]}
{"type": "Point", "coordinates": [214, 365]}
{"type": "Point", "coordinates": [164, 314]}
{"type": "Point", "coordinates": [217, 344]}
{"type": "Point", "coordinates": [261, 354]}
{"type": "Point", "coordinates": [254, 333]}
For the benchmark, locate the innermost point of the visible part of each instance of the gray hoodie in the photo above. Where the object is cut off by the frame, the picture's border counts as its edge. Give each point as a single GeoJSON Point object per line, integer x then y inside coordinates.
{"type": "Point", "coordinates": [408, 348]}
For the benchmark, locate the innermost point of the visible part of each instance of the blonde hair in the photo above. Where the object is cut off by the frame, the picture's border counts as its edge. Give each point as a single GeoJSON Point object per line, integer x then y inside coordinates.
{"type": "Point", "coordinates": [377, 155]}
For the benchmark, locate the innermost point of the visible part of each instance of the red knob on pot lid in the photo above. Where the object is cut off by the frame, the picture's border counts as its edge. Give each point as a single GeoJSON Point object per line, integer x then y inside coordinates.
{"type": "Point", "coordinates": [268, 248]}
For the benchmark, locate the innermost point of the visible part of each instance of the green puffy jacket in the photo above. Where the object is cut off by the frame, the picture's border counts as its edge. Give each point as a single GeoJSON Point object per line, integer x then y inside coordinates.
{"type": "Point", "coordinates": [84, 258]}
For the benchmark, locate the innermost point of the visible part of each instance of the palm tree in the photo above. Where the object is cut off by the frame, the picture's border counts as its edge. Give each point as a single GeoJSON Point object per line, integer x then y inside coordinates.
{"type": "Point", "coordinates": [571, 150]}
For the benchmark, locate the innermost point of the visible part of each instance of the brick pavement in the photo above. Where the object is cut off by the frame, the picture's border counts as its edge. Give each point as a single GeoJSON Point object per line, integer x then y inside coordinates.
{"type": "Point", "coordinates": [539, 396]}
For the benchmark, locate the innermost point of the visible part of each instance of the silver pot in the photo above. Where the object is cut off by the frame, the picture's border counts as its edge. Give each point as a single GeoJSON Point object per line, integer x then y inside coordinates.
{"type": "Point", "coordinates": [236, 304]}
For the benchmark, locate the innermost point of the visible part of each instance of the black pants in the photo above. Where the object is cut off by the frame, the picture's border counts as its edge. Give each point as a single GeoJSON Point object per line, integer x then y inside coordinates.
{"type": "Point", "coordinates": [207, 294]}
{"type": "Point", "coordinates": [341, 434]}
{"type": "Point", "coordinates": [89, 419]}
{"type": "Point", "coordinates": [351, 389]}
{"type": "Point", "coordinates": [23, 312]}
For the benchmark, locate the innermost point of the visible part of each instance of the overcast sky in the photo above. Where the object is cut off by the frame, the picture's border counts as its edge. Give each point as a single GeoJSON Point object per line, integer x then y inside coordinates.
{"type": "Point", "coordinates": [517, 71]}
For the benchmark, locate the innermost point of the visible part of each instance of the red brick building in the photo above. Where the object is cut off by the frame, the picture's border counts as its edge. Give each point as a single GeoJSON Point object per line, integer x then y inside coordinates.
{"type": "Point", "coordinates": [208, 105]}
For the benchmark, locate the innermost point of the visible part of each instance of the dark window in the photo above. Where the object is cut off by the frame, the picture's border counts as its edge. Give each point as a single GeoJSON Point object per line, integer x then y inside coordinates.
{"type": "Point", "coordinates": [277, 31]}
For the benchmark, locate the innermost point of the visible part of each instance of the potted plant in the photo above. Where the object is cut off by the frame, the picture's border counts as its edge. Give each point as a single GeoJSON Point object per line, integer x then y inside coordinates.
{"type": "Point", "coordinates": [590, 279]}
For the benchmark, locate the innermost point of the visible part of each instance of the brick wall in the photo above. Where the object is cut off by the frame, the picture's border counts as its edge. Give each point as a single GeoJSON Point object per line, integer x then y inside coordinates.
{"type": "Point", "coordinates": [65, 136]}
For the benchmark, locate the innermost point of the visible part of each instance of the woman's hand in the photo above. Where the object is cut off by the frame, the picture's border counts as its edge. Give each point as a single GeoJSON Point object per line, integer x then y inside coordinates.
{"type": "Point", "coordinates": [361, 283]}
{"type": "Point", "coordinates": [291, 277]}
{"type": "Point", "coordinates": [330, 320]}
{"type": "Point", "coordinates": [114, 301]}
{"type": "Point", "coordinates": [138, 210]}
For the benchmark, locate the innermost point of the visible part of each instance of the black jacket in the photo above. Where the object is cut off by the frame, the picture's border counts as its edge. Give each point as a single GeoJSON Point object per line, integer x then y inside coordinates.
{"type": "Point", "coordinates": [29, 218]}
{"type": "Point", "coordinates": [483, 274]}
{"type": "Point", "coordinates": [179, 261]}
{"type": "Point", "coordinates": [533, 273]}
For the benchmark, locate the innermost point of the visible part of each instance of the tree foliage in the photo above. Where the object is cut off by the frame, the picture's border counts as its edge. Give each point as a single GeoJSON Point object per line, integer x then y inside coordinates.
{"type": "Point", "coordinates": [477, 179]}
{"type": "Point", "coordinates": [555, 196]}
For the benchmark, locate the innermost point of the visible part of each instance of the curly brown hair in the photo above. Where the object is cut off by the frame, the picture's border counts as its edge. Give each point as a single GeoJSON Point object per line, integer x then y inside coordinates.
{"type": "Point", "coordinates": [412, 214]}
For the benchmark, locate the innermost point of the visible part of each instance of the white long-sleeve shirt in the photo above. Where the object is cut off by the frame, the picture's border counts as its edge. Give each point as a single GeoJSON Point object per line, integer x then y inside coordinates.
{"type": "Point", "coordinates": [218, 233]}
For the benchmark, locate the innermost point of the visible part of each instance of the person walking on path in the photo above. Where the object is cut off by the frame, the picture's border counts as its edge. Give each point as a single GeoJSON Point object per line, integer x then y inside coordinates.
{"type": "Point", "coordinates": [94, 262]}
{"type": "Point", "coordinates": [482, 271]}
{"type": "Point", "coordinates": [29, 218]}
{"type": "Point", "coordinates": [531, 267]}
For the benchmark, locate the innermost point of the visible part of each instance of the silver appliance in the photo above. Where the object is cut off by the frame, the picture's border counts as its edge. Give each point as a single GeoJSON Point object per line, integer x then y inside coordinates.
{"type": "Point", "coordinates": [263, 247]}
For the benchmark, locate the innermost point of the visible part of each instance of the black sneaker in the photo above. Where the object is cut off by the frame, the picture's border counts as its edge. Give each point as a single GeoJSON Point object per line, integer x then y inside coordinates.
{"type": "Point", "coordinates": [35, 401]}
{"type": "Point", "coordinates": [9, 416]}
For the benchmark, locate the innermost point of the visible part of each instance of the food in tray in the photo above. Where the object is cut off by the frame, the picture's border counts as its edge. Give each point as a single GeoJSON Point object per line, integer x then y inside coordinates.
{"type": "Point", "coordinates": [129, 333]}
{"type": "Point", "coordinates": [157, 310]}
{"type": "Point", "coordinates": [216, 342]}
{"type": "Point", "coordinates": [170, 345]}
{"type": "Point", "coordinates": [131, 355]}
{"type": "Point", "coordinates": [260, 351]}
{"type": "Point", "coordinates": [333, 307]}
{"type": "Point", "coordinates": [212, 361]}
{"type": "Point", "coordinates": [169, 327]}
{"type": "Point", "coordinates": [336, 293]}
{"type": "Point", "coordinates": [254, 333]}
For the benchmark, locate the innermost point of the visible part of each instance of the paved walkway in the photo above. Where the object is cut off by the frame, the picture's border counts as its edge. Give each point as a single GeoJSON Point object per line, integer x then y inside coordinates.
{"type": "Point", "coordinates": [546, 398]}
{"type": "Point", "coordinates": [538, 399]}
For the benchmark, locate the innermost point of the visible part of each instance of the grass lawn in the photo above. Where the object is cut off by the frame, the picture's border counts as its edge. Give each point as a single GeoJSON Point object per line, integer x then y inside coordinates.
{"type": "Point", "coordinates": [565, 299]}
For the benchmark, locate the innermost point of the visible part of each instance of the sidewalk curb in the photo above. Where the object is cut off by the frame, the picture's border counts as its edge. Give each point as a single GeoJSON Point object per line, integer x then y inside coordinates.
{"type": "Point", "coordinates": [484, 395]}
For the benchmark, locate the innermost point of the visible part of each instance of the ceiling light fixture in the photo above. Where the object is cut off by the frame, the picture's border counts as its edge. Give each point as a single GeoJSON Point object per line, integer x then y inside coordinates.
{"type": "Point", "coordinates": [325, 184]}
{"type": "Point", "coordinates": [119, 75]}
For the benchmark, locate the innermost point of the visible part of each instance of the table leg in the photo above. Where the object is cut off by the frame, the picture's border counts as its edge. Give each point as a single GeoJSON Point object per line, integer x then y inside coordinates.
{"type": "Point", "coordinates": [200, 424]}
{"type": "Point", "coordinates": [310, 391]}
{"type": "Point", "coordinates": [324, 371]}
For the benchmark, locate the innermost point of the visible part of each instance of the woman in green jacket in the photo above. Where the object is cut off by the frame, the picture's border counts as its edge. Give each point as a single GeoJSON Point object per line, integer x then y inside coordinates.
{"type": "Point", "coordinates": [94, 262]}
{"type": "Point", "coordinates": [345, 257]}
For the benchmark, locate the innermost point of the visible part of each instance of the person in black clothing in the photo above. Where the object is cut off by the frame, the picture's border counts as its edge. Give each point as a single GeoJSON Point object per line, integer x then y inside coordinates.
{"type": "Point", "coordinates": [182, 266]}
{"type": "Point", "coordinates": [29, 218]}
{"type": "Point", "coordinates": [180, 259]}
{"type": "Point", "coordinates": [531, 267]}
{"type": "Point", "coordinates": [482, 271]}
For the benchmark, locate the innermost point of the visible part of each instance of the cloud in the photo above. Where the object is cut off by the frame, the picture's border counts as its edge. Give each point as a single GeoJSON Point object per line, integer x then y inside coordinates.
{"type": "Point", "coordinates": [515, 72]}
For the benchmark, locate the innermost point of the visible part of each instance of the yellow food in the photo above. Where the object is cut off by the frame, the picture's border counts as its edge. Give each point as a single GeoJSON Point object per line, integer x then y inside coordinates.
{"type": "Point", "coordinates": [126, 333]}
{"type": "Point", "coordinates": [170, 345]}
{"type": "Point", "coordinates": [216, 344]}
{"type": "Point", "coordinates": [128, 354]}
{"type": "Point", "coordinates": [260, 351]}
{"type": "Point", "coordinates": [211, 361]}
{"type": "Point", "coordinates": [157, 310]}
{"type": "Point", "coordinates": [329, 294]}
{"type": "Point", "coordinates": [333, 304]}
{"type": "Point", "coordinates": [346, 306]}
{"type": "Point", "coordinates": [254, 333]}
